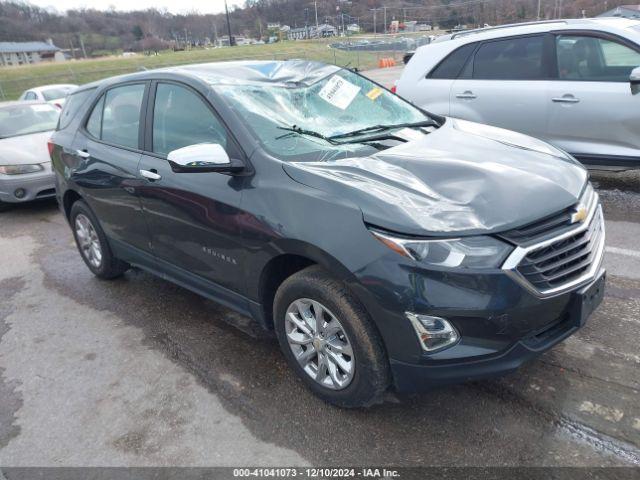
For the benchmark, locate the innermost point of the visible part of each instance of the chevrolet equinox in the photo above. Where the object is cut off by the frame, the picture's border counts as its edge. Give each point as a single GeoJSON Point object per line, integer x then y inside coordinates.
{"type": "Point", "coordinates": [384, 245]}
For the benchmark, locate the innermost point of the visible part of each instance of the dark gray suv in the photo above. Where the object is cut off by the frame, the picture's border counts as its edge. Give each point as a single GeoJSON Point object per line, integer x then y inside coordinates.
{"type": "Point", "coordinates": [384, 245]}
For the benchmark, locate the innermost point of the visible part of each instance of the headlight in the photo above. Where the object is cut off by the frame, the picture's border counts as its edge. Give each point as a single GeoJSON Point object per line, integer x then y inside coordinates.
{"type": "Point", "coordinates": [468, 252]}
{"type": "Point", "coordinates": [20, 169]}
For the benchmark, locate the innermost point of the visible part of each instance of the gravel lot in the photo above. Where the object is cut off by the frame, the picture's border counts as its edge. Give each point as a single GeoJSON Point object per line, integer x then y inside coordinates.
{"type": "Point", "coordinates": [138, 371]}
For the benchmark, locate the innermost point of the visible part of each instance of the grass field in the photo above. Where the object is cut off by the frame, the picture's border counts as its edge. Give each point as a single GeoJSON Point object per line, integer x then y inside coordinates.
{"type": "Point", "coordinates": [14, 80]}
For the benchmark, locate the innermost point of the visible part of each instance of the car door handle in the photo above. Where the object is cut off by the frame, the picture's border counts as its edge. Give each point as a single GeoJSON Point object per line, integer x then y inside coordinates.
{"type": "Point", "coordinates": [469, 95]}
{"type": "Point", "coordinates": [83, 153]}
{"type": "Point", "coordinates": [150, 175]}
{"type": "Point", "coordinates": [566, 99]}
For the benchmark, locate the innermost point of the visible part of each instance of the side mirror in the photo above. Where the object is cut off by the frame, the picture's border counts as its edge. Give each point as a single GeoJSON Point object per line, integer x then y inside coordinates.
{"type": "Point", "coordinates": [203, 157]}
{"type": "Point", "coordinates": [634, 79]}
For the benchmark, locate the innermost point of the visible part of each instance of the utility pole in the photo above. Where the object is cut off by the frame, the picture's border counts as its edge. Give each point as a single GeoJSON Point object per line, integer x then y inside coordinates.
{"type": "Point", "coordinates": [226, 9]}
{"type": "Point", "coordinates": [315, 4]}
{"type": "Point", "coordinates": [385, 19]}
{"type": "Point", "coordinates": [374, 21]}
{"type": "Point", "coordinates": [539, 8]}
{"type": "Point", "coordinates": [84, 52]}
{"type": "Point", "coordinates": [73, 50]}
{"type": "Point", "coordinates": [306, 24]}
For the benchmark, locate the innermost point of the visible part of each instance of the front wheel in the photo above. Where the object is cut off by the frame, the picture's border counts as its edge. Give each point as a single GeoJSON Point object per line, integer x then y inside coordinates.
{"type": "Point", "coordinates": [329, 340]}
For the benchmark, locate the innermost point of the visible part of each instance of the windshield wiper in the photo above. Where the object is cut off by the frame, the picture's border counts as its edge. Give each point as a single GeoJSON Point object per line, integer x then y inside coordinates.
{"type": "Point", "coordinates": [302, 131]}
{"type": "Point", "coordinates": [379, 128]}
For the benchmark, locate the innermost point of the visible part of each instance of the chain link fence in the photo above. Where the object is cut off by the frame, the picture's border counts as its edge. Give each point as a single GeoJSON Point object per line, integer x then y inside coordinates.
{"type": "Point", "coordinates": [15, 80]}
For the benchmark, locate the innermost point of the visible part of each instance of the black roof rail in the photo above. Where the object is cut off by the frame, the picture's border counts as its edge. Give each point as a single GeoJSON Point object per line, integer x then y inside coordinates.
{"type": "Point", "coordinates": [510, 25]}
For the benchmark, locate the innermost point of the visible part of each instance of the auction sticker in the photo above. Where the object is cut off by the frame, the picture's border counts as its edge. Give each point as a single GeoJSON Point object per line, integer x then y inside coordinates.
{"type": "Point", "coordinates": [374, 93]}
{"type": "Point", "coordinates": [339, 92]}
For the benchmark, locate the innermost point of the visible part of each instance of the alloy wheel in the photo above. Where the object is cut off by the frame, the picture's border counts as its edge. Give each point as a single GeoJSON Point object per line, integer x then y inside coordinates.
{"type": "Point", "coordinates": [88, 240]}
{"type": "Point", "coordinates": [319, 343]}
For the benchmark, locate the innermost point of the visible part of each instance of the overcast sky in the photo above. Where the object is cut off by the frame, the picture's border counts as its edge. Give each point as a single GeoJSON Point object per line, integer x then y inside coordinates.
{"type": "Point", "coordinates": [174, 6]}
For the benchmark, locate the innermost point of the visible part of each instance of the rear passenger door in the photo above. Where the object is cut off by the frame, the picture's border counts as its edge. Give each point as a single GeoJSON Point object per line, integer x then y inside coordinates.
{"type": "Point", "coordinates": [432, 93]}
{"type": "Point", "coordinates": [107, 150]}
{"type": "Point", "coordinates": [505, 84]}
{"type": "Point", "coordinates": [594, 113]}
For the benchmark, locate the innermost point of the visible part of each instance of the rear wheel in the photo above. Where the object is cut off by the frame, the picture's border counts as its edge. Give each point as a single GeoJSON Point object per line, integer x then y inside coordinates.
{"type": "Point", "coordinates": [329, 340]}
{"type": "Point", "coordinates": [92, 243]}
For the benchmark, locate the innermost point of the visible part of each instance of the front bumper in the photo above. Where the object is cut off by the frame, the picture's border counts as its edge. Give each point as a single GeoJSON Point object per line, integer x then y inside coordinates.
{"type": "Point", "coordinates": [39, 185]}
{"type": "Point", "coordinates": [501, 324]}
{"type": "Point", "coordinates": [411, 377]}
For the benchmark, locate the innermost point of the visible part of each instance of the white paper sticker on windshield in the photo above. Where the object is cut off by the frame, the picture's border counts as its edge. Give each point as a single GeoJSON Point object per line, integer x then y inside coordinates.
{"type": "Point", "coordinates": [339, 92]}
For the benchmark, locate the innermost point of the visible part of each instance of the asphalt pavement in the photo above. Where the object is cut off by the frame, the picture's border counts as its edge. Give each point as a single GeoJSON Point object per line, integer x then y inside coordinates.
{"type": "Point", "coordinates": [141, 372]}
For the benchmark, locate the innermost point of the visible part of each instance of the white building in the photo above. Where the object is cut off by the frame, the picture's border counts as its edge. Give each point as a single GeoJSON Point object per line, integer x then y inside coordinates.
{"type": "Point", "coordinates": [304, 33]}
{"type": "Point", "coordinates": [224, 40]}
{"type": "Point", "coordinates": [24, 53]}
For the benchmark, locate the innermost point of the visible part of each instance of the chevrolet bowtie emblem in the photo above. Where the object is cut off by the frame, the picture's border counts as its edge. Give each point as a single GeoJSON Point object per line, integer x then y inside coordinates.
{"type": "Point", "coordinates": [580, 215]}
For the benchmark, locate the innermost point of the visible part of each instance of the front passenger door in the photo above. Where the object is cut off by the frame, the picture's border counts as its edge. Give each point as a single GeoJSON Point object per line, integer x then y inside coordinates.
{"type": "Point", "coordinates": [193, 217]}
{"type": "Point", "coordinates": [594, 114]}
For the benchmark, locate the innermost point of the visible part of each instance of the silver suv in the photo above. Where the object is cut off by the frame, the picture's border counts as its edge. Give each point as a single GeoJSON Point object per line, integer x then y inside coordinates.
{"type": "Point", "coordinates": [573, 83]}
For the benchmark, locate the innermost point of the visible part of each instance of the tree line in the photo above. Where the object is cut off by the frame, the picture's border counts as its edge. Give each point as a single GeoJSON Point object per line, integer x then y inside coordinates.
{"type": "Point", "coordinates": [93, 32]}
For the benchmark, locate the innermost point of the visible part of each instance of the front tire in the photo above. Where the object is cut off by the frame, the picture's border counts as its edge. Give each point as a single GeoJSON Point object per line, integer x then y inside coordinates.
{"type": "Point", "coordinates": [329, 340]}
{"type": "Point", "coordinates": [92, 243]}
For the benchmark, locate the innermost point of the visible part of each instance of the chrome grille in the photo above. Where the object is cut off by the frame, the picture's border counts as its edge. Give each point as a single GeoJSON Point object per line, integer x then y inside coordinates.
{"type": "Point", "coordinates": [564, 260]}
{"type": "Point", "coordinates": [549, 225]}
{"type": "Point", "coordinates": [555, 260]}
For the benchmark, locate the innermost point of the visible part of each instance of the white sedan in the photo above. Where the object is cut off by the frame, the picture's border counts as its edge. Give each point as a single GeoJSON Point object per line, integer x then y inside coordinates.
{"type": "Point", "coordinates": [25, 164]}
{"type": "Point", "coordinates": [53, 94]}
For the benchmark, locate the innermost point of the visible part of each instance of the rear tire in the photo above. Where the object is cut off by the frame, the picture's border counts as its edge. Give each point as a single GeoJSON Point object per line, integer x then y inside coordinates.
{"type": "Point", "coordinates": [343, 361]}
{"type": "Point", "coordinates": [93, 245]}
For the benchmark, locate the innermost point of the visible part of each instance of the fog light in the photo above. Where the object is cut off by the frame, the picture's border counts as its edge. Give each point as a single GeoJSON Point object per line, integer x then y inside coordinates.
{"type": "Point", "coordinates": [19, 193]}
{"type": "Point", "coordinates": [433, 333]}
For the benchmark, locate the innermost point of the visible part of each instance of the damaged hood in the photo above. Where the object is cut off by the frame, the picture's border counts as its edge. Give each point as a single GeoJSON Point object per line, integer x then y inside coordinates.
{"type": "Point", "coordinates": [462, 179]}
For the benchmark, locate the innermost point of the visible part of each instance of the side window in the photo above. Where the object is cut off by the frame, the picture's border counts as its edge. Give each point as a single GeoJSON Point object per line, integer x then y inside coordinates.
{"type": "Point", "coordinates": [30, 96]}
{"type": "Point", "coordinates": [451, 66]}
{"type": "Point", "coordinates": [511, 59]}
{"type": "Point", "coordinates": [94, 124]}
{"type": "Point", "coordinates": [72, 106]}
{"type": "Point", "coordinates": [181, 118]}
{"type": "Point", "coordinates": [594, 59]}
{"type": "Point", "coordinates": [121, 115]}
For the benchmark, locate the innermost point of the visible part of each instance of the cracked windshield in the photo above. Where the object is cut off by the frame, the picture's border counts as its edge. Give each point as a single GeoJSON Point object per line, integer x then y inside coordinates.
{"type": "Point", "coordinates": [316, 122]}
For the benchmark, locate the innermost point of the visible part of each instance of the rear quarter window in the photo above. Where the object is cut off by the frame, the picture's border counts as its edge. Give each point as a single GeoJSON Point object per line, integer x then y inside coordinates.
{"type": "Point", "coordinates": [72, 106]}
{"type": "Point", "coordinates": [453, 64]}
